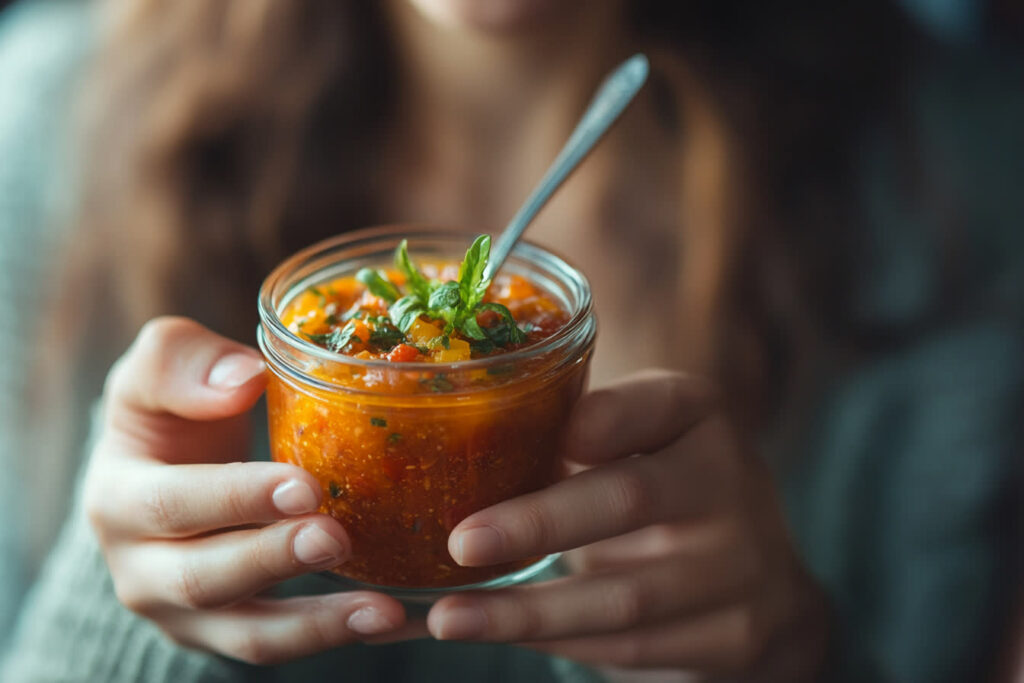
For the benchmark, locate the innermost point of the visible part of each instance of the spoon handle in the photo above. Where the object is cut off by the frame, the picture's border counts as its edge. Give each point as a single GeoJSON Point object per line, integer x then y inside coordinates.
{"type": "Point", "coordinates": [611, 99]}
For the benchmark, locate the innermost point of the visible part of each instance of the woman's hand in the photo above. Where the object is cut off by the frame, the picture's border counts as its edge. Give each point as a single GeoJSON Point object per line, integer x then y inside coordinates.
{"type": "Point", "coordinates": [190, 531]}
{"type": "Point", "coordinates": [688, 563]}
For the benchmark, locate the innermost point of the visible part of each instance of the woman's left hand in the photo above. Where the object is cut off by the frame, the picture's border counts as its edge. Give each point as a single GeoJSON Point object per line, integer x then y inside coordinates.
{"type": "Point", "coordinates": [684, 559]}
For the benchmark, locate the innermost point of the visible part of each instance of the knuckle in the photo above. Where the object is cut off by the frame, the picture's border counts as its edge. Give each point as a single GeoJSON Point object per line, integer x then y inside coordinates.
{"type": "Point", "coordinates": [624, 603]}
{"type": "Point", "coordinates": [748, 640]}
{"type": "Point", "coordinates": [528, 621]}
{"type": "Point", "coordinates": [267, 556]}
{"type": "Point", "coordinates": [251, 646]}
{"type": "Point", "coordinates": [189, 589]}
{"type": "Point", "coordinates": [130, 596]}
{"type": "Point", "coordinates": [631, 497]}
{"type": "Point", "coordinates": [320, 629]}
{"type": "Point", "coordinates": [155, 347]}
{"type": "Point", "coordinates": [160, 334]}
{"type": "Point", "coordinates": [162, 511]}
{"type": "Point", "coordinates": [685, 388]}
{"type": "Point", "coordinates": [538, 525]}
{"type": "Point", "coordinates": [663, 539]}
{"type": "Point", "coordinates": [236, 504]}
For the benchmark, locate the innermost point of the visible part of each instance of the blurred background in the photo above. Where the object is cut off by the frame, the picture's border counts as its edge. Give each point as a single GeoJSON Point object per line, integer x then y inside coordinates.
{"type": "Point", "coordinates": [931, 333]}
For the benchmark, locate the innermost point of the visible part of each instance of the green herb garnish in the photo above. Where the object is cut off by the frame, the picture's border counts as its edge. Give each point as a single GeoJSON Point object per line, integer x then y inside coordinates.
{"type": "Point", "coordinates": [455, 302]}
{"type": "Point", "coordinates": [439, 384]}
{"type": "Point", "coordinates": [385, 336]}
{"type": "Point", "coordinates": [505, 332]}
{"type": "Point", "coordinates": [336, 490]}
{"type": "Point", "coordinates": [379, 284]}
{"type": "Point", "coordinates": [394, 437]}
{"type": "Point", "coordinates": [336, 340]}
{"type": "Point", "coordinates": [406, 311]}
{"type": "Point", "coordinates": [378, 422]}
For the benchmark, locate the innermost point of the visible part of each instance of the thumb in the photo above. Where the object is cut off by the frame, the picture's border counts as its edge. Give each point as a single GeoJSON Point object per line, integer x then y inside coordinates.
{"type": "Point", "coordinates": [176, 366]}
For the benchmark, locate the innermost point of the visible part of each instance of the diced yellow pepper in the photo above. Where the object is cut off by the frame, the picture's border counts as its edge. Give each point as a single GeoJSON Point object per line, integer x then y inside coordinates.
{"type": "Point", "coordinates": [457, 350]}
{"type": "Point", "coordinates": [422, 332]}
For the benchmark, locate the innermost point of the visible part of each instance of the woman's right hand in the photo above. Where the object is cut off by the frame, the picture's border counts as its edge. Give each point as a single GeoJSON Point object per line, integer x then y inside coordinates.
{"type": "Point", "coordinates": [191, 532]}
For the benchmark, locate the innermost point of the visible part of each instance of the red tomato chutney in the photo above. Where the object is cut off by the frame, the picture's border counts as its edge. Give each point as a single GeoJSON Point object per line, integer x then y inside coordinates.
{"type": "Point", "coordinates": [409, 432]}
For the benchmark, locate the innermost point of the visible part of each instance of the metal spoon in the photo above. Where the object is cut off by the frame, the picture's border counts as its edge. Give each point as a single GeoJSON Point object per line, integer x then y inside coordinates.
{"type": "Point", "coordinates": [611, 100]}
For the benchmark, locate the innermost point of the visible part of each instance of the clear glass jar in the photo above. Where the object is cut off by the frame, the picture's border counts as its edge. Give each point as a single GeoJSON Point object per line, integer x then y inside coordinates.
{"type": "Point", "coordinates": [405, 451]}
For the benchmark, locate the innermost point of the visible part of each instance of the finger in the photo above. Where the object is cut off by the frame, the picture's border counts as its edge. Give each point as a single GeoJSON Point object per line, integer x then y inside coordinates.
{"type": "Point", "coordinates": [265, 632]}
{"type": "Point", "coordinates": [649, 544]}
{"type": "Point", "coordinates": [591, 604]}
{"type": "Point", "coordinates": [218, 570]}
{"type": "Point", "coordinates": [684, 482]}
{"type": "Point", "coordinates": [723, 642]}
{"type": "Point", "coordinates": [641, 414]}
{"type": "Point", "coordinates": [177, 366]}
{"type": "Point", "coordinates": [159, 501]}
{"type": "Point", "coordinates": [414, 629]}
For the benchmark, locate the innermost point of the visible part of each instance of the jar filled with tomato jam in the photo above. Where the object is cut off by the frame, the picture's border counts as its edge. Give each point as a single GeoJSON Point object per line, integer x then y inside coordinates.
{"type": "Point", "coordinates": [407, 443]}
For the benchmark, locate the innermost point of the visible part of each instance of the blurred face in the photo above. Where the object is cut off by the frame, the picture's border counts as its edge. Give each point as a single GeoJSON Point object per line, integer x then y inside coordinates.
{"type": "Point", "coordinates": [495, 15]}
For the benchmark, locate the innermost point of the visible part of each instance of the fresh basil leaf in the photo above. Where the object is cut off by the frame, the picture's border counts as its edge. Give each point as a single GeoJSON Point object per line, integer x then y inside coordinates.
{"type": "Point", "coordinates": [418, 284]}
{"type": "Point", "coordinates": [471, 272]}
{"type": "Point", "coordinates": [336, 340]}
{"type": "Point", "coordinates": [471, 328]}
{"type": "Point", "coordinates": [385, 336]}
{"type": "Point", "coordinates": [445, 298]}
{"type": "Point", "coordinates": [505, 332]}
{"type": "Point", "coordinates": [405, 311]}
{"type": "Point", "coordinates": [378, 284]}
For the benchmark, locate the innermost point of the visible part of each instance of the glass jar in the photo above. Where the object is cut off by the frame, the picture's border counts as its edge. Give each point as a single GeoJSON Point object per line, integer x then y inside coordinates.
{"type": "Point", "coordinates": [405, 451]}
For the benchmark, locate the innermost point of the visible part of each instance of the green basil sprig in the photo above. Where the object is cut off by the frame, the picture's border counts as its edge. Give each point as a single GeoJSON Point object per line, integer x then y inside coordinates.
{"type": "Point", "coordinates": [455, 302]}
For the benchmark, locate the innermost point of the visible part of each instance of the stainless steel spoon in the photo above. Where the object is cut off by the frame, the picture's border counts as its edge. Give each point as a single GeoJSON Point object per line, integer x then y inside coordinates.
{"type": "Point", "coordinates": [611, 100]}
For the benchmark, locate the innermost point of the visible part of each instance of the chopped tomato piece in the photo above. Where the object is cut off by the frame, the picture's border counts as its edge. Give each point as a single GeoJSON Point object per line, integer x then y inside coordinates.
{"type": "Point", "coordinates": [403, 353]}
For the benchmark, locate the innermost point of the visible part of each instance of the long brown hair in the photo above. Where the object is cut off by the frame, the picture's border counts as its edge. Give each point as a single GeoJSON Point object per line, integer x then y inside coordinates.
{"type": "Point", "coordinates": [224, 135]}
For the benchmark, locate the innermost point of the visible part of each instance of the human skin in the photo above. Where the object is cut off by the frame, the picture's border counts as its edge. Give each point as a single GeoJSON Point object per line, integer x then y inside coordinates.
{"type": "Point", "coordinates": [685, 560]}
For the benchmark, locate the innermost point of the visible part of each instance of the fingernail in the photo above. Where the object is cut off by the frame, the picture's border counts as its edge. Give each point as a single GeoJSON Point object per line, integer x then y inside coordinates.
{"type": "Point", "coordinates": [314, 546]}
{"type": "Point", "coordinates": [294, 497]}
{"type": "Point", "coordinates": [462, 623]}
{"type": "Point", "coordinates": [477, 546]}
{"type": "Point", "coordinates": [234, 370]}
{"type": "Point", "coordinates": [369, 621]}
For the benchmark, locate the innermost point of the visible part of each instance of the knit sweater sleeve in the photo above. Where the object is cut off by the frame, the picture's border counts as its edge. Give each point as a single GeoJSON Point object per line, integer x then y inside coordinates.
{"type": "Point", "coordinates": [72, 627]}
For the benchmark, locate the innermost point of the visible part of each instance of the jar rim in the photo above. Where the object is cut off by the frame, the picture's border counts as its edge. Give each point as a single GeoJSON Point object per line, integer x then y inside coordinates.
{"type": "Point", "coordinates": [526, 251]}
